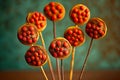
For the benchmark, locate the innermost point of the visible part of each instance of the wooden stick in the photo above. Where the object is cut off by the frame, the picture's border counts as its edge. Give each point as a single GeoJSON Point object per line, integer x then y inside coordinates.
{"type": "Point", "coordinates": [49, 61]}
{"type": "Point", "coordinates": [57, 61]}
{"type": "Point", "coordinates": [62, 70]}
{"type": "Point", "coordinates": [72, 63]}
{"type": "Point", "coordinates": [86, 58]}
{"type": "Point", "coordinates": [44, 73]}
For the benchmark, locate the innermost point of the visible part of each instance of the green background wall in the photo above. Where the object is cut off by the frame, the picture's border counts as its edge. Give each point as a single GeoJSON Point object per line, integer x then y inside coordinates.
{"type": "Point", "coordinates": [105, 53]}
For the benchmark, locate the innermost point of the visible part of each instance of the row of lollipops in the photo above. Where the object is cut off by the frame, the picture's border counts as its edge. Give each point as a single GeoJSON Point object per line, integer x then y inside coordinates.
{"type": "Point", "coordinates": [60, 48]}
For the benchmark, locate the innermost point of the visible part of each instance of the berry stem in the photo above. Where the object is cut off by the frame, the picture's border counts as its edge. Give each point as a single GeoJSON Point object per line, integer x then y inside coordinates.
{"type": "Point", "coordinates": [72, 63]}
{"type": "Point", "coordinates": [57, 60]}
{"type": "Point", "coordinates": [49, 61]}
{"type": "Point", "coordinates": [44, 73]}
{"type": "Point", "coordinates": [86, 58]}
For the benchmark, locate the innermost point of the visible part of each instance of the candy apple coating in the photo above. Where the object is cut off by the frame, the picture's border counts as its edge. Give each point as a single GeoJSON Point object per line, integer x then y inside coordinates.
{"type": "Point", "coordinates": [75, 36]}
{"type": "Point", "coordinates": [27, 34]}
{"type": "Point", "coordinates": [36, 56]}
{"type": "Point", "coordinates": [80, 14]}
{"type": "Point", "coordinates": [54, 11]}
{"type": "Point", "coordinates": [37, 19]}
{"type": "Point", "coordinates": [96, 28]}
{"type": "Point", "coordinates": [60, 48]}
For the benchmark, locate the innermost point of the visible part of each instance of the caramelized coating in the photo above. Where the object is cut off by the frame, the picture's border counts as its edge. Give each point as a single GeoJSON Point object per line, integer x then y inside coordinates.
{"type": "Point", "coordinates": [96, 28]}
{"type": "Point", "coordinates": [60, 48]}
{"type": "Point", "coordinates": [54, 11]}
{"type": "Point", "coordinates": [36, 56]}
{"type": "Point", "coordinates": [27, 34]}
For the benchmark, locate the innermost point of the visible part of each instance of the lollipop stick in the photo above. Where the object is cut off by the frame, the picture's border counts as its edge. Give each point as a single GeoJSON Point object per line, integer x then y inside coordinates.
{"type": "Point", "coordinates": [62, 70]}
{"type": "Point", "coordinates": [44, 73]}
{"type": "Point", "coordinates": [84, 65]}
{"type": "Point", "coordinates": [49, 61]}
{"type": "Point", "coordinates": [57, 61]}
{"type": "Point", "coordinates": [72, 63]}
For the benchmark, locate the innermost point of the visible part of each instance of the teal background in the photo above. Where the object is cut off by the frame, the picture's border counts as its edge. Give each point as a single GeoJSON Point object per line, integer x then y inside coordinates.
{"type": "Point", "coordinates": [105, 53]}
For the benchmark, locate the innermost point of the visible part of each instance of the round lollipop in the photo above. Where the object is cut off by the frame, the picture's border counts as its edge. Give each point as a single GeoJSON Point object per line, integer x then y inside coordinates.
{"type": "Point", "coordinates": [27, 34]}
{"type": "Point", "coordinates": [37, 19]}
{"type": "Point", "coordinates": [96, 29]}
{"type": "Point", "coordinates": [80, 14]}
{"type": "Point", "coordinates": [60, 48]}
{"type": "Point", "coordinates": [76, 38]}
{"type": "Point", "coordinates": [54, 11]}
{"type": "Point", "coordinates": [36, 56]}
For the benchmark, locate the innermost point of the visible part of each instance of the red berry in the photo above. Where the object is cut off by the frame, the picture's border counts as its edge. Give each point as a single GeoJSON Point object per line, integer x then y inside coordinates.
{"type": "Point", "coordinates": [28, 60]}
{"type": "Point", "coordinates": [24, 34]}
{"type": "Point", "coordinates": [75, 20]}
{"type": "Point", "coordinates": [76, 10]}
{"type": "Point", "coordinates": [37, 59]}
{"type": "Point", "coordinates": [34, 63]}
{"type": "Point", "coordinates": [31, 28]}
{"type": "Point", "coordinates": [55, 54]}
{"type": "Point", "coordinates": [58, 7]}
{"type": "Point", "coordinates": [34, 39]}
{"type": "Point", "coordinates": [31, 20]}
{"type": "Point", "coordinates": [47, 8]}
{"type": "Point", "coordinates": [60, 54]}
{"type": "Point", "coordinates": [24, 28]}
{"type": "Point", "coordinates": [30, 41]}
{"type": "Point", "coordinates": [32, 58]}
{"type": "Point", "coordinates": [24, 39]}
{"type": "Point", "coordinates": [54, 17]}
{"type": "Point", "coordinates": [58, 43]}
{"type": "Point", "coordinates": [39, 52]}
{"type": "Point", "coordinates": [65, 44]}
{"type": "Point", "coordinates": [38, 63]}
{"type": "Point", "coordinates": [29, 54]}
{"type": "Point", "coordinates": [70, 32]}
{"type": "Point", "coordinates": [66, 52]}
{"type": "Point", "coordinates": [36, 53]}
{"type": "Point", "coordinates": [32, 49]}
{"type": "Point", "coordinates": [44, 57]}
{"type": "Point", "coordinates": [81, 7]}
{"type": "Point", "coordinates": [53, 45]}
{"type": "Point", "coordinates": [52, 4]}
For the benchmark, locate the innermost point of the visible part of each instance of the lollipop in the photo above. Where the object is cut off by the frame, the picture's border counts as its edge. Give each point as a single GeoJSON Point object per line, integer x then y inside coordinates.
{"type": "Point", "coordinates": [96, 29]}
{"type": "Point", "coordinates": [37, 19]}
{"type": "Point", "coordinates": [54, 11]}
{"type": "Point", "coordinates": [76, 38]}
{"type": "Point", "coordinates": [60, 48]}
{"type": "Point", "coordinates": [36, 56]}
{"type": "Point", "coordinates": [27, 34]}
{"type": "Point", "coordinates": [80, 14]}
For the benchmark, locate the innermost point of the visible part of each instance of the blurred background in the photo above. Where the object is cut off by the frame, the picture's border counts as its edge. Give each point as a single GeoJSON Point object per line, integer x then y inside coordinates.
{"type": "Point", "coordinates": [105, 53]}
